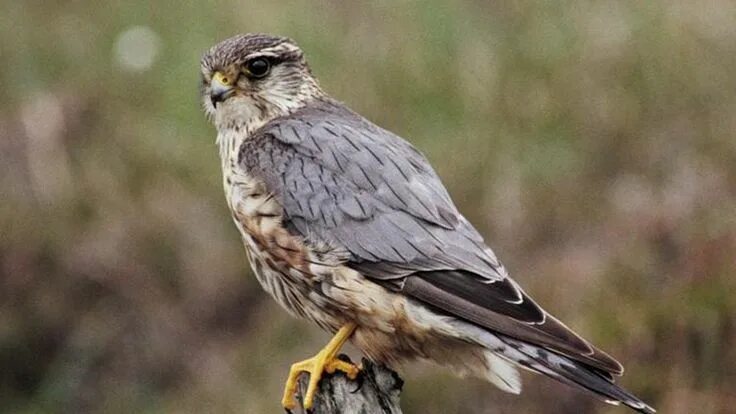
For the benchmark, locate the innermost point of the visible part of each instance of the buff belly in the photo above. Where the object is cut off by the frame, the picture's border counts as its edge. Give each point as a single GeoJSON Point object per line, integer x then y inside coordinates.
{"type": "Point", "coordinates": [391, 328]}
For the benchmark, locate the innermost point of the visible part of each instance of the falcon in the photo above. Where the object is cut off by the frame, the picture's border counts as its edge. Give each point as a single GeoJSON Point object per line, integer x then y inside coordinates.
{"type": "Point", "coordinates": [347, 225]}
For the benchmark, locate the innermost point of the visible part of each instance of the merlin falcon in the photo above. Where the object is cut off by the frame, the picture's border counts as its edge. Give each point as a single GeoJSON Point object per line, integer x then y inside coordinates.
{"type": "Point", "coordinates": [347, 225]}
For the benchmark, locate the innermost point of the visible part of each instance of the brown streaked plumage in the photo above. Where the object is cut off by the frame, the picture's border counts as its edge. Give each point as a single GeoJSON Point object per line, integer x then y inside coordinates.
{"type": "Point", "coordinates": [347, 225]}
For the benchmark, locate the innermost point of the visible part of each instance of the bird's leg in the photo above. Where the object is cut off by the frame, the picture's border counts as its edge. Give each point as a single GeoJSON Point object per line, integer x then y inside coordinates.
{"type": "Point", "coordinates": [325, 360]}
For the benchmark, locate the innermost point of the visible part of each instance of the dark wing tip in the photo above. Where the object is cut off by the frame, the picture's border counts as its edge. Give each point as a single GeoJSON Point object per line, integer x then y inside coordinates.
{"type": "Point", "coordinates": [581, 349]}
{"type": "Point", "coordinates": [492, 306]}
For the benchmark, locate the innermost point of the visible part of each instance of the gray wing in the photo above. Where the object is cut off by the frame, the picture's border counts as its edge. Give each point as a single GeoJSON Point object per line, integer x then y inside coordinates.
{"type": "Point", "coordinates": [346, 183]}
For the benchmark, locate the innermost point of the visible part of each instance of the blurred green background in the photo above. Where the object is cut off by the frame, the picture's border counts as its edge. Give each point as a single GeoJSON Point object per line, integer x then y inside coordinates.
{"type": "Point", "coordinates": [593, 143]}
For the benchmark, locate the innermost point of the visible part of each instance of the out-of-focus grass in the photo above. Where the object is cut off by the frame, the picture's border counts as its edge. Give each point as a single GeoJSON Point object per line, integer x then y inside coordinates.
{"type": "Point", "coordinates": [591, 142]}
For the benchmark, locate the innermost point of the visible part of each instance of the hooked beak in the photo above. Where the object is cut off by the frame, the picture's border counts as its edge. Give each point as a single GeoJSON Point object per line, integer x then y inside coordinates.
{"type": "Point", "coordinates": [220, 88]}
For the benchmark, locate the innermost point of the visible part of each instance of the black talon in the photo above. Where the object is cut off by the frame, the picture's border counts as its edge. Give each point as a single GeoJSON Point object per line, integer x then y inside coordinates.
{"type": "Point", "coordinates": [359, 380]}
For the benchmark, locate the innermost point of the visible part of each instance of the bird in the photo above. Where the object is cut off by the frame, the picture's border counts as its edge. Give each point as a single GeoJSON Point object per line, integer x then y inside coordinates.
{"type": "Point", "coordinates": [347, 225]}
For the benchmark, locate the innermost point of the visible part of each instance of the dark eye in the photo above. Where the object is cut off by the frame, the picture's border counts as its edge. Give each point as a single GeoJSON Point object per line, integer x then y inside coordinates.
{"type": "Point", "coordinates": [257, 68]}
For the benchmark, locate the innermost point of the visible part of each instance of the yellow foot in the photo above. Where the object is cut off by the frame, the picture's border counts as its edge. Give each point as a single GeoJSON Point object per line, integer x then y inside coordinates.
{"type": "Point", "coordinates": [325, 361]}
{"type": "Point", "coordinates": [315, 366]}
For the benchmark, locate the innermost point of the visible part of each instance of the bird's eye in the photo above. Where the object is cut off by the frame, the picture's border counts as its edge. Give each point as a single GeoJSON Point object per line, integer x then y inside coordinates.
{"type": "Point", "coordinates": [257, 68]}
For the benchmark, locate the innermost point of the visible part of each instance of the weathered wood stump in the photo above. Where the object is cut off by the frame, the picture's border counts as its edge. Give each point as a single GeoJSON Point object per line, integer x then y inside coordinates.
{"type": "Point", "coordinates": [375, 391]}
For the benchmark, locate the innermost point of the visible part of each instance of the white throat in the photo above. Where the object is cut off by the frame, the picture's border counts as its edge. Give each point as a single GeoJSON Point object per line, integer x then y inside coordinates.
{"type": "Point", "coordinates": [236, 121]}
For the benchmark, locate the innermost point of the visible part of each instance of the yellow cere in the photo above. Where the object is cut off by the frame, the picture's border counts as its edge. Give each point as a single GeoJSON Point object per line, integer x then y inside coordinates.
{"type": "Point", "coordinates": [222, 79]}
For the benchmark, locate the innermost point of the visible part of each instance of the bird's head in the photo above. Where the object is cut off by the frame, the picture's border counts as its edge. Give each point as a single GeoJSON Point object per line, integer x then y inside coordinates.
{"type": "Point", "coordinates": [249, 79]}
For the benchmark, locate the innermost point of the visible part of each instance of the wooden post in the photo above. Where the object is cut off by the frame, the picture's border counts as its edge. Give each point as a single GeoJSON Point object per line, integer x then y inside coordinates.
{"type": "Point", "coordinates": [375, 391]}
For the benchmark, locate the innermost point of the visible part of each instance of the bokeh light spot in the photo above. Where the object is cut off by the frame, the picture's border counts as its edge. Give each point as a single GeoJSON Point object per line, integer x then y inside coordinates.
{"type": "Point", "coordinates": [136, 48]}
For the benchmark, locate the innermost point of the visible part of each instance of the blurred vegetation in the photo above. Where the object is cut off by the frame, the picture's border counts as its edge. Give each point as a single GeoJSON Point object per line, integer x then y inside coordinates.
{"type": "Point", "coordinates": [593, 143]}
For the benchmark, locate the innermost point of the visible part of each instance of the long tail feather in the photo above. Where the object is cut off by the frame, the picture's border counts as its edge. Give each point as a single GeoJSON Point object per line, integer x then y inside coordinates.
{"type": "Point", "coordinates": [571, 372]}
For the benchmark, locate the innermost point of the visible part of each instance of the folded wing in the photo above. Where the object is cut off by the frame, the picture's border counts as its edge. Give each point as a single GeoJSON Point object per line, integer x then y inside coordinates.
{"type": "Point", "coordinates": [345, 183]}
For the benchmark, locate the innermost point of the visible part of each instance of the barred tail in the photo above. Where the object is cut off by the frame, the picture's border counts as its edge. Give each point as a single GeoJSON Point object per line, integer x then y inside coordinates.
{"type": "Point", "coordinates": [566, 370]}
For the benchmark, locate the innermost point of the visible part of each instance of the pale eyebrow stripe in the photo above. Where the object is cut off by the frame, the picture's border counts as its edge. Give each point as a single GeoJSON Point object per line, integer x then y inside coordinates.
{"type": "Point", "coordinates": [261, 53]}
